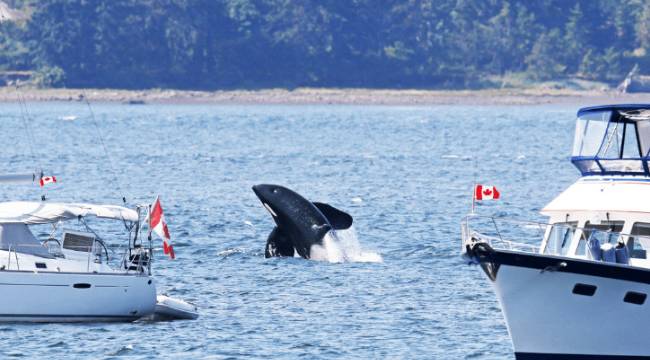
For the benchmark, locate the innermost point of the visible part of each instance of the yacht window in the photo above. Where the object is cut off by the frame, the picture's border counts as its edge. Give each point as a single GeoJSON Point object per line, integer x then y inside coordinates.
{"type": "Point", "coordinates": [590, 130]}
{"type": "Point", "coordinates": [582, 246]}
{"type": "Point", "coordinates": [559, 239]}
{"type": "Point", "coordinates": [613, 141]}
{"type": "Point", "coordinates": [630, 145]}
{"type": "Point", "coordinates": [605, 232]}
{"type": "Point", "coordinates": [639, 240]}
{"type": "Point", "coordinates": [643, 127]}
{"type": "Point", "coordinates": [620, 142]}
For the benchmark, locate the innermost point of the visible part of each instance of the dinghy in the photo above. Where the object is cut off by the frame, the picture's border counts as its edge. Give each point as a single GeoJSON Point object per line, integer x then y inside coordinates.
{"type": "Point", "coordinates": [168, 308]}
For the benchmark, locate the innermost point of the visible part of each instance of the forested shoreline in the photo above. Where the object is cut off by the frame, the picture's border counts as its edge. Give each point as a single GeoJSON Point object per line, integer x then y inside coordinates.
{"type": "Point", "coordinates": [249, 44]}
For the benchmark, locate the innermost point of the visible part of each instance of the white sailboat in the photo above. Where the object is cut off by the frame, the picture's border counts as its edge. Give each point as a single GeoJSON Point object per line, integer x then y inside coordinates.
{"type": "Point", "coordinates": [75, 273]}
{"type": "Point", "coordinates": [70, 275]}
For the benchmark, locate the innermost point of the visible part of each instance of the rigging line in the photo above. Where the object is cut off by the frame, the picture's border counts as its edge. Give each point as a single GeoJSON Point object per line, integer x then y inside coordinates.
{"type": "Point", "coordinates": [101, 140]}
{"type": "Point", "coordinates": [27, 120]}
{"type": "Point", "coordinates": [24, 115]}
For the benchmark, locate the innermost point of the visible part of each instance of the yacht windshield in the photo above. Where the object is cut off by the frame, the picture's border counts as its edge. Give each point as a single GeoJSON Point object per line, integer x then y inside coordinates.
{"type": "Point", "coordinates": [611, 141]}
{"type": "Point", "coordinates": [605, 232]}
{"type": "Point", "coordinates": [639, 241]}
{"type": "Point", "coordinates": [559, 239]}
{"type": "Point", "coordinates": [590, 129]}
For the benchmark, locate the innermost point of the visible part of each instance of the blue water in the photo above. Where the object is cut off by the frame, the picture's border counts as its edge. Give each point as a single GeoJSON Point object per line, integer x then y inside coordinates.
{"type": "Point", "coordinates": [404, 173]}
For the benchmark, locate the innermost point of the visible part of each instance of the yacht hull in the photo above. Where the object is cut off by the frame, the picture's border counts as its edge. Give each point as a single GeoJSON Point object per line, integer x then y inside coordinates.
{"type": "Point", "coordinates": [560, 308]}
{"type": "Point", "coordinates": [74, 297]}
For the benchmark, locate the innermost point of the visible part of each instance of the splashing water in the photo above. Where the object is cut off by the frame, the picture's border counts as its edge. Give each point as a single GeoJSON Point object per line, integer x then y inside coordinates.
{"type": "Point", "coordinates": [343, 246]}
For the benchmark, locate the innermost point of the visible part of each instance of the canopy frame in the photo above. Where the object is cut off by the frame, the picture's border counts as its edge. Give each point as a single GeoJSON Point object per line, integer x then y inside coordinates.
{"type": "Point", "coordinates": [31, 213]}
{"type": "Point", "coordinates": [625, 123]}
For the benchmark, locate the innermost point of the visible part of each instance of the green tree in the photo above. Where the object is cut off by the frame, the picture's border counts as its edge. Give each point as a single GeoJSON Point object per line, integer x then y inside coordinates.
{"type": "Point", "coordinates": [576, 38]}
{"type": "Point", "coordinates": [542, 61]}
{"type": "Point", "coordinates": [210, 44]}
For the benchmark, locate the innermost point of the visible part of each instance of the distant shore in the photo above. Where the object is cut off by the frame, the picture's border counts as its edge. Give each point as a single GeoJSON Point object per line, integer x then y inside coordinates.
{"type": "Point", "coordinates": [323, 96]}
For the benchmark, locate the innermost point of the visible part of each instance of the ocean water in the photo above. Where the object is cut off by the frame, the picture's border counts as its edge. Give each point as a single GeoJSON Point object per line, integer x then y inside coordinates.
{"type": "Point", "coordinates": [404, 173]}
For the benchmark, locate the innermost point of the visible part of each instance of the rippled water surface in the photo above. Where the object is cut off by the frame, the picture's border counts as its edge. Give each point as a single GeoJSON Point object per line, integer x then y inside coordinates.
{"type": "Point", "coordinates": [403, 173]}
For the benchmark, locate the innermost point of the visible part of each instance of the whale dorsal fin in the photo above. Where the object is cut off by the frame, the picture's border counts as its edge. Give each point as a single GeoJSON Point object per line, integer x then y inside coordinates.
{"type": "Point", "coordinates": [339, 220]}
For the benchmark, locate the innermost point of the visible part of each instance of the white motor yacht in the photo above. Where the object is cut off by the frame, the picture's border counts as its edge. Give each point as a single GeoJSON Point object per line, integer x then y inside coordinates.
{"type": "Point", "coordinates": [580, 291]}
{"type": "Point", "coordinates": [72, 275]}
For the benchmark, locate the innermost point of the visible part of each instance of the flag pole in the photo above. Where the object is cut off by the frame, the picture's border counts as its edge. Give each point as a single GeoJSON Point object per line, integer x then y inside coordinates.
{"type": "Point", "coordinates": [473, 197]}
{"type": "Point", "coordinates": [149, 219]}
{"type": "Point", "coordinates": [149, 238]}
{"type": "Point", "coordinates": [474, 187]}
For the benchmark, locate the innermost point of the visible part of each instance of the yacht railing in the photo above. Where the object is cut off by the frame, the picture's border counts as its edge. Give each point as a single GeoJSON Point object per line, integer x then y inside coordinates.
{"type": "Point", "coordinates": [499, 243]}
{"type": "Point", "coordinates": [501, 232]}
{"type": "Point", "coordinates": [527, 236]}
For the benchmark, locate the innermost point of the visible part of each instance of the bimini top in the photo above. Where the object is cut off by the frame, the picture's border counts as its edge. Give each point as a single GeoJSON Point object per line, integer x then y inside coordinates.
{"type": "Point", "coordinates": [603, 194]}
{"type": "Point", "coordinates": [613, 140]}
{"type": "Point", "coordinates": [29, 213]}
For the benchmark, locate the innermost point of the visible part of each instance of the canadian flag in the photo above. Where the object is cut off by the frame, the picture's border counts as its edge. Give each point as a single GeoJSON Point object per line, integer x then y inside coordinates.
{"type": "Point", "coordinates": [47, 180]}
{"type": "Point", "coordinates": [159, 226]}
{"type": "Point", "coordinates": [483, 192]}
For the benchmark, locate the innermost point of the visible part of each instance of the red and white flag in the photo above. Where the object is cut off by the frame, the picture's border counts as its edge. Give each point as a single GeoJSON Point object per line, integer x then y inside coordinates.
{"type": "Point", "coordinates": [485, 192]}
{"type": "Point", "coordinates": [47, 180]}
{"type": "Point", "coordinates": [159, 226]}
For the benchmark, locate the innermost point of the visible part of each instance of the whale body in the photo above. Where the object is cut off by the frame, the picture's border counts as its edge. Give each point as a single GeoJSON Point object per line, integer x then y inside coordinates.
{"type": "Point", "coordinates": [300, 224]}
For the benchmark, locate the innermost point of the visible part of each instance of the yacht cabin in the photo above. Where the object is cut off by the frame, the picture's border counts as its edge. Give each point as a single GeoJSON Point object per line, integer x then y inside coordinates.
{"type": "Point", "coordinates": [611, 202]}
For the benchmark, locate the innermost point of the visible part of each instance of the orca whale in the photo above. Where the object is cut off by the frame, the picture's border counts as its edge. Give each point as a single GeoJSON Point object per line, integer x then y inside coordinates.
{"type": "Point", "coordinates": [299, 222]}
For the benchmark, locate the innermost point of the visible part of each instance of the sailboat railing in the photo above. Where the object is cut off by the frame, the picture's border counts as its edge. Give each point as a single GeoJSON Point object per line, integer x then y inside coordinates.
{"type": "Point", "coordinates": [91, 255]}
{"type": "Point", "coordinates": [136, 257]}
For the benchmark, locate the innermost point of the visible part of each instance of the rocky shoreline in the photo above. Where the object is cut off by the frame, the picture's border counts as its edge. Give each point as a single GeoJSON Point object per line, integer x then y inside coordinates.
{"type": "Point", "coordinates": [327, 96]}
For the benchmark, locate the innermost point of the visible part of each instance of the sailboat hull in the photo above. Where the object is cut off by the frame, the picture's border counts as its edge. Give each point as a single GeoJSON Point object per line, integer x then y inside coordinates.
{"type": "Point", "coordinates": [74, 297]}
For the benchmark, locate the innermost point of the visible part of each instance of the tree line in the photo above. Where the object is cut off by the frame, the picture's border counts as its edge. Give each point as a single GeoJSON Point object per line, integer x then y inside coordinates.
{"type": "Point", "coordinates": [213, 44]}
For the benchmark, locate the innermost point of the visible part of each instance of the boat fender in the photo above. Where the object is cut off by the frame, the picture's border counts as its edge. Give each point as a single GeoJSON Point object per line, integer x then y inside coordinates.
{"type": "Point", "coordinates": [471, 253]}
{"type": "Point", "coordinates": [622, 254]}
{"type": "Point", "coordinates": [482, 251]}
{"type": "Point", "coordinates": [609, 252]}
{"type": "Point", "coordinates": [484, 255]}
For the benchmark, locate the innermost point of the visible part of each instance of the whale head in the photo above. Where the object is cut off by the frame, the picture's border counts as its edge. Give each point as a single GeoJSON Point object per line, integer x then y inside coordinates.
{"type": "Point", "coordinates": [299, 222]}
